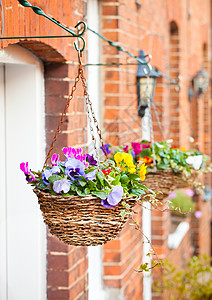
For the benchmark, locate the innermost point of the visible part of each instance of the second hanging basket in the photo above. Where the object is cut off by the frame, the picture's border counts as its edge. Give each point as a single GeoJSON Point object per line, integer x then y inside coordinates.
{"type": "Point", "coordinates": [163, 181]}
{"type": "Point", "coordinates": [81, 221]}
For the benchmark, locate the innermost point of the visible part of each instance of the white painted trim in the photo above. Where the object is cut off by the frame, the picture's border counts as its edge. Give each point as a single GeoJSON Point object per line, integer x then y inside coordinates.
{"type": "Point", "coordinates": [3, 238]}
{"type": "Point", "coordinates": [175, 238]}
{"type": "Point", "coordinates": [95, 264]}
{"type": "Point", "coordinates": [17, 55]}
{"type": "Point", "coordinates": [146, 221]}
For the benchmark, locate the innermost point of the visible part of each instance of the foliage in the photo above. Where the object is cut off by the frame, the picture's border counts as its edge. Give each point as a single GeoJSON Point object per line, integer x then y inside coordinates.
{"type": "Point", "coordinates": [79, 174]}
{"type": "Point", "coordinates": [181, 200]}
{"type": "Point", "coordinates": [194, 282]}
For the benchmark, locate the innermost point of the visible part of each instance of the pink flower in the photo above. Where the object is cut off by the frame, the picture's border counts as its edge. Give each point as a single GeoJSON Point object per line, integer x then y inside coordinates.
{"type": "Point", "coordinates": [145, 145]}
{"type": "Point", "coordinates": [198, 214]}
{"type": "Point", "coordinates": [125, 148]}
{"type": "Point", "coordinates": [29, 175]}
{"type": "Point", "coordinates": [136, 148]}
{"type": "Point", "coordinates": [55, 159]}
{"type": "Point", "coordinates": [189, 192]}
{"type": "Point", "coordinates": [172, 195]}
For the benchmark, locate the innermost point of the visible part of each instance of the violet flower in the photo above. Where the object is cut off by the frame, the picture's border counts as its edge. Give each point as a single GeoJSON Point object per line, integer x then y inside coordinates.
{"type": "Point", "coordinates": [137, 148]}
{"type": "Point", "coordinates": [29, 175]}
{"type": "Point", "coordinates": [48, 172]}
{"type": "Point", "coordinates": [91, 175]}
{"type": "Point", "coordinates": [114, 197]}
{"type": "Point", "coordinates": [74, 168]}
{"type": "Point", "coordinates": [91, 160]}
{"type": "Point", "coordinates": [106, 149]}
{"type": "Point", "coordinates": [62, 185]}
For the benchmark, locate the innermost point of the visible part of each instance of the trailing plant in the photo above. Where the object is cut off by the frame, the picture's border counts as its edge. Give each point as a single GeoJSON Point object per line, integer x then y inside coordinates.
{"type": "Point", "coordinates": [193, 282]}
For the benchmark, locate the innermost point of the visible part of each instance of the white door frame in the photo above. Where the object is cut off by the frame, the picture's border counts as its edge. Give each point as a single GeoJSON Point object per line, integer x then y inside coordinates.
{"type": "Point", "coordinates": [16, 57]}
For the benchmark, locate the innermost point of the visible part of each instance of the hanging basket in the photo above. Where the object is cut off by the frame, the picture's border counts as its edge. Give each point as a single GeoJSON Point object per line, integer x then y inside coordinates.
{"type": "Point", "coordinates": [164, 181]}
{"type": "Point", "coordinates": [81, 221]}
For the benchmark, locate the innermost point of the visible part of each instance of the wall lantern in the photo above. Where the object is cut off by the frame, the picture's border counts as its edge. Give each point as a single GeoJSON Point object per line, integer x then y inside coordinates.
{"type": "Point", "coordinates": [200, 84]}
{"type": "Point", "coordinates": [145, 85]}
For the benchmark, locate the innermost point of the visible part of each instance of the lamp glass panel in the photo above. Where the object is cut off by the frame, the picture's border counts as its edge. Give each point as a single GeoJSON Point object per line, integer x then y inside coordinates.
{"type": "Point", "coordinates": [147, 87]}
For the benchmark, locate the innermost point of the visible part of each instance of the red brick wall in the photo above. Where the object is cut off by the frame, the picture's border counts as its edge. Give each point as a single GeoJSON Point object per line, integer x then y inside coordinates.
{"type": "Point", "coordinates": [147, 28]}
{"type": "Point", "coordinates": [66, 265]}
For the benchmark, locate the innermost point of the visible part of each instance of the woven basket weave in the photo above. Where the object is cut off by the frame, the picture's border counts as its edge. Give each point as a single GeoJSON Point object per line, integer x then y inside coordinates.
{"type": "Point", "coordinates": [81, 221]}
{"type": "Point", "coordinates": [163, 181]}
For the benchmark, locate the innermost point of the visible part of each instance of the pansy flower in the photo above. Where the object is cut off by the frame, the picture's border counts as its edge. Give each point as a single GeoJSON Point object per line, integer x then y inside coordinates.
{"type": "Point", "coordinates": [62, 185]}
{"type": "Point", "coordinates": [106, 149]}
{"type": "Point", "coordinates": [114, 197]}
{"type": "Point", "coordinates": [142, 172]}
{"type": "Point", "coordinates": [147, 160]}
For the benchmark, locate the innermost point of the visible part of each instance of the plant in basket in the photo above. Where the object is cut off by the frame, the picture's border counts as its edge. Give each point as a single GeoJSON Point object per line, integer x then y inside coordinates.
{"type": "Point", "coordinates": [113, 186]}
{"type": "Point", "coordinates": [168, 167]}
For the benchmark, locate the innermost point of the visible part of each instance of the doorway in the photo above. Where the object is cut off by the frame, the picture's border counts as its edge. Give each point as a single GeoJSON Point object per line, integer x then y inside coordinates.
{"type": "Point", "coordinates": [22, 231]}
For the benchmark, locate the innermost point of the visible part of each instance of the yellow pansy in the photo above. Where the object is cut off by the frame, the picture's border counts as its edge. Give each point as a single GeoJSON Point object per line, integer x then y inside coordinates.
{"type": "Point", "coordinates": [183, 149]}
{"type": "Point", "coordinates": [142, 172]}
{"type": "Point", "coordinates": [118, 157]}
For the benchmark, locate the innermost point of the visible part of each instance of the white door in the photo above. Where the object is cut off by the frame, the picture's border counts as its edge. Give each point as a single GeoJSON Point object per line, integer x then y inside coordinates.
{"type": "Point", "coordinates": [22, 232]}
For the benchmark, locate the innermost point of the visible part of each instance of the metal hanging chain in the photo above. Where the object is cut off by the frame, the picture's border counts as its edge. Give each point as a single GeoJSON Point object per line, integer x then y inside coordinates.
{"type": "Point", "coordinates": [70, 97]}
{"type": "Point", "coordinates": [151, 125]}
{"type": "Point", "coordinates": [89, 103]}
{"type": "Point", "coordinates": [158, 120]}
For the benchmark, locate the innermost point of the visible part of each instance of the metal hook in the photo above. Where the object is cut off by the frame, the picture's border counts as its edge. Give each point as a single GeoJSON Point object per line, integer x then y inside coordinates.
{"type": "Point", "coordinates": [39, 11]}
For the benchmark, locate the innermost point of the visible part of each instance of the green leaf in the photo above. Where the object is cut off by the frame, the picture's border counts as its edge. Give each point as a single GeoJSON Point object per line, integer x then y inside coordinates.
{"type": "Point", "coordinates": [137, 192]}
{"type": "Point", "coordinates": [116, 181]}
{"type": "Point", "coordinates": [123, 213]}
{"type": "Point", "coordinates": [54, 178]}
{"type": "Point", "coordinates": [82, 183]}
{"type": "Point", "coordinates": [100, 194]}
{"type": "Point", "coordinates": [124, 179]}
{"type": "Point", "coordinates": [101, 177]}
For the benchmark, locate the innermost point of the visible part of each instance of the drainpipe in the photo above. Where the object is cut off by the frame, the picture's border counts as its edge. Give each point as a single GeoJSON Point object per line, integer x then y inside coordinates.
{"type": "Point", "coordinates": [146, 222]}
{"type": "Point", "coordinates": [95, 264]}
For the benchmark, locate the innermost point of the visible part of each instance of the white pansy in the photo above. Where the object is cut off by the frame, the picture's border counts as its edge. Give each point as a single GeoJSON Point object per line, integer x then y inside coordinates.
{"type": "Point", "coordinates": [195, 161]}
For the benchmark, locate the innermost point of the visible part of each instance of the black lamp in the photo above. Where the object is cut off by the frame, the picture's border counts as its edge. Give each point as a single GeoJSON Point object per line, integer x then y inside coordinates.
{"type": "Point", "coordinates": [200, 82]}
{"type": "Point", "coordinates": [145, 85]}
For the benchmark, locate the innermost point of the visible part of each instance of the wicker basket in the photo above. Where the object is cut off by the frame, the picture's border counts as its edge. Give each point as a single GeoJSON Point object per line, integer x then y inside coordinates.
{"type": "Point", "coordinates": [163, 181]}
{"type": "Point", "coordinates": [81, 221]}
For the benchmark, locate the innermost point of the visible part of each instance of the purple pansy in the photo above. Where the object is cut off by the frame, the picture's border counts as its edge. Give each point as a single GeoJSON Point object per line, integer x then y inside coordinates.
{"type": "Point", "coordinates": [106, 149]}
{"type": "Point", "coordinates": [91, 160]}
{"type": "Point", "coordinates": [114, 197]}
{"type": "Point", "coordinates": [137, 148]}
{"type": "Point", "coordinates": [48, 172]}
{"type": "Point", "coordinates": [91, 175]}
{"type": "Point", "coordinates": [29, 175]}
{"type": "Point", "coordinates": [74, 168]}
{"type": "Point", "coordinates": [62, 185]}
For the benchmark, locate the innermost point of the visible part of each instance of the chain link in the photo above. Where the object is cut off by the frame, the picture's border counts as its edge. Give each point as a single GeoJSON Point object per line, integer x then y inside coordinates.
{"type": "Point", "coordinates": [88, 101]}
{"type": "Point", "coordinates": [90, 113]}
{"type": "Point", "coordinates": [70, 97]}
